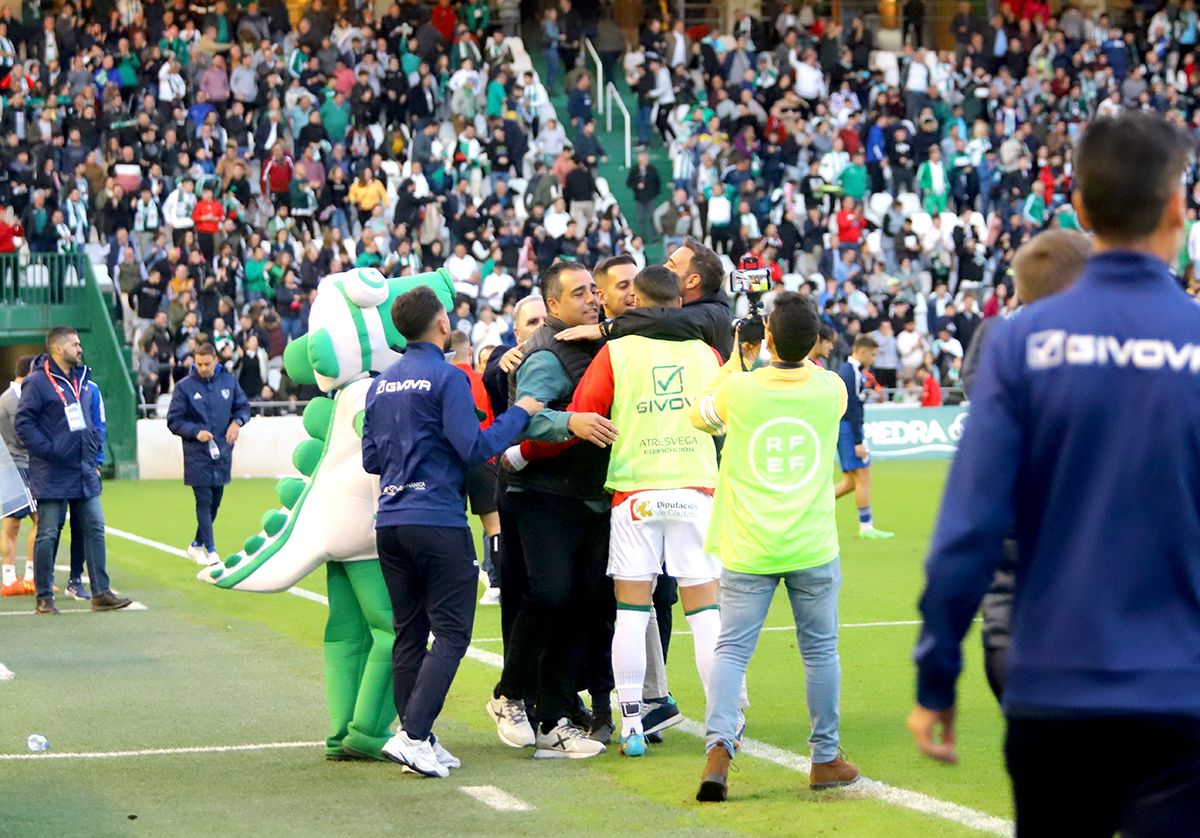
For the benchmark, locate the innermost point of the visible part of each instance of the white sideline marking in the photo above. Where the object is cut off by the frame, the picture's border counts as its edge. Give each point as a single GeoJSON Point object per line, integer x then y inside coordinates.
{"type": "Point", "coordinates": [155, 752]}
{"type": "Point", "coordinates": [865, 788]}
{"type": "Point", "coordinates": [312, 596]}
{"type": "Point", "coordinates": [497, 799]}
{"type": "Point", "coordinates": [871, 789]}
{"type": "Point", "coordinates": [884, 624]}
{"type": "Point", "coordinates": [6, 674]}
{"type": "Point", "coordinates": [133, 606]}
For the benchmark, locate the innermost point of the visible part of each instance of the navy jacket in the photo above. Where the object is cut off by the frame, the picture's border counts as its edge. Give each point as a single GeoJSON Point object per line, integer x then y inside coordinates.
{"type": "Point", "coordinates": [421, 434]}
{"type": "Point", "coordinates": [200, 404]}
{"type": "Point", "coordinates": [62, 462]}
{"type": "Point", "coordinates": [856, 387]}
{"type": "Point", "coordinates": [1084, 434]}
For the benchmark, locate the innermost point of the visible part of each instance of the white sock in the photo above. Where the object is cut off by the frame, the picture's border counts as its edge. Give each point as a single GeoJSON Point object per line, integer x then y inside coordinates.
{"type": "Point", "coordinates": [10, 574]}
{"type": "Point", "coordinates": [706, 628]}
{"type": "Point", "coordinates": [29, 570]}
{"type": "Point", "coordinates": [629, 663]}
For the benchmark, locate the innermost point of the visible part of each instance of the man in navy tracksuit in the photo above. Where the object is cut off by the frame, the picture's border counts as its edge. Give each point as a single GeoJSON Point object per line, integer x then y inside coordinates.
{"type": "Point", "coordinates": [1084, 436]}
{"type": "Point", "coordinates": [208, 410]}
{"type": "Point", "coordinates": [420, 435]}
{"type": "Point", "coordinates": [55, 422]}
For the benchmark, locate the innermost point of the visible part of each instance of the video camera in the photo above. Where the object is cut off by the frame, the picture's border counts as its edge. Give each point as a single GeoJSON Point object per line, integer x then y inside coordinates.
{"type": "Point", "coordinates": [753, 280]}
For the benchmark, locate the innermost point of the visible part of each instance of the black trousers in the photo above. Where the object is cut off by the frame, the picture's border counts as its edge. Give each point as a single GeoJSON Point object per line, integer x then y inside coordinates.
{"type": "Point", "coordinates": [514, 579]}
{"type": "Point", "coordinates": [1066, 782]}
{"type": "Point", "coordinates": [431, 575]}
{"type": "Point", "coordinates": [666, 594]}
{"type": "Point", "coordinates": [565, 544]}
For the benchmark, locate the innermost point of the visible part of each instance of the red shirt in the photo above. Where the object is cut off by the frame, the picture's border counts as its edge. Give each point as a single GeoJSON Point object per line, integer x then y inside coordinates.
{"type": "Point", "coordinates": [479, 395]}
{"type": "Point", "coordinates": [850, 226]}
{"type": "Point", "coordinates": [7, 233]}
{"type": "Point", "coordinates": [443, 19]}
{"type": "Point", "coordinates": [208, 216]}
{"type": "Point", "coordinates": [931, 393]}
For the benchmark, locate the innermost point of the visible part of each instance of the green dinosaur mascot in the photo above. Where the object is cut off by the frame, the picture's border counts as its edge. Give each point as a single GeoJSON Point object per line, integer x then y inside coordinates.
{"type": "Point", "coordinates": [328, 515]}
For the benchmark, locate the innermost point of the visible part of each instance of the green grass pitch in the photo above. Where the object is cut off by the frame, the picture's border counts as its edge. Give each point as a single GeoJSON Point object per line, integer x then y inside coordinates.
{"type": "Point", "coordinates": [204, 667]}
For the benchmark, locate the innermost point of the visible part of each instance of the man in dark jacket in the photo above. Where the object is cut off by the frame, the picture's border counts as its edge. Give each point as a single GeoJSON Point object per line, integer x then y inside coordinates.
{"type": "Point", "coordinates": [54, 421]}
{"type": "Point", "coordinates": [561, 512]}
{"type": "Point", "coordinates": [421, 435]}
{"type": "Point", "coordinates": [1045, 265]}
{"type": "Point", "coordinates": [644, 181]}
{"type": "Point", "coordinates": [207, 412]}
{"type": "Point", "coordinates": [1100, 489]}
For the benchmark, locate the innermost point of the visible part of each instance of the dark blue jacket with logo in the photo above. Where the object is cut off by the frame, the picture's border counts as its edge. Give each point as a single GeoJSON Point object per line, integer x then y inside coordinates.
{"type": "Point", "coordinates": [421, 434]}
{"type": "Point", "coordinates": [62, 462]}
{"type": "Point", "coordinates": [1084, 437]}
{"type": "Point", "coordinates": [200, 404]}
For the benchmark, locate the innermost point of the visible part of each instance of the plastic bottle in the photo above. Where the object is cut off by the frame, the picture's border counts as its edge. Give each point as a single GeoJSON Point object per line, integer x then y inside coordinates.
{"type": "Point", "coordinates": [37, 742]}
{"type": "Point", "coordinates": [214, 450]}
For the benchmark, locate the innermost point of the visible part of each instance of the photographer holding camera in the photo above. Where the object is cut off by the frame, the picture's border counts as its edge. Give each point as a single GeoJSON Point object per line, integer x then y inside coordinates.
{"type": "Point", "coordinates": [781, 426]}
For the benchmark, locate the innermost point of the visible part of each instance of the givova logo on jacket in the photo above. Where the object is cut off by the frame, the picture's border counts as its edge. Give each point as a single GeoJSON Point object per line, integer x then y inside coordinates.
{"type": "Point", "coordinates": [1056, 347]}
{"type": "Point", "coordinates": [784, 453]}
{"type": "Point", "coordinates": [667, 382]}
{"type": "Point", "coordinates": [406, 384]}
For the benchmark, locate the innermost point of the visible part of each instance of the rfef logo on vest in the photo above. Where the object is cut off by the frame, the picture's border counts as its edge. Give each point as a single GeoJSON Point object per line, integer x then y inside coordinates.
{"type": "Point", "coordinates": [784, 453]}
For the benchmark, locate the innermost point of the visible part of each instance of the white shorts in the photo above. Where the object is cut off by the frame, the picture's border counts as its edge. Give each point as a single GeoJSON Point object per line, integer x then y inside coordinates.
{"type": "Point", "coordinates": [662, 526]}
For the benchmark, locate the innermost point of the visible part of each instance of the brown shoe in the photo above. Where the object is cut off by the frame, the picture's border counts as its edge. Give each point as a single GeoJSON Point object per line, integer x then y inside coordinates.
{"type": "Point", "coordinates": [828, 775]}
{"type": "Point", "coordinates": [46, 606]}
{"type": "Point", "coordinates": [108, 601]}
{"type": "Point", "coordinates": [714, 785]}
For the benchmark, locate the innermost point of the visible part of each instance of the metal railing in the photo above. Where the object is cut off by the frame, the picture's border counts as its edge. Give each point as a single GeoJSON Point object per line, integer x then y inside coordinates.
{"type": "Point", "coordinates": [591, 49]}
{"type": "Point", "coordinates": [611, 94]}
{"type": "Point", "coordinates": [41, 278]}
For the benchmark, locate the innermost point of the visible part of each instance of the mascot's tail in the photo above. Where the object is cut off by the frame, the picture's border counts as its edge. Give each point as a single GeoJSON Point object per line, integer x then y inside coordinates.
{"type": "Point", "coordinates": [328, 514]}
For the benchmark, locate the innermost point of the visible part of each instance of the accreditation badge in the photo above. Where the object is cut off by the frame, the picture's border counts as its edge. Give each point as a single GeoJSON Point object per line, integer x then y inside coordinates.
{"type": "Point", "coordinates": [75, 420]}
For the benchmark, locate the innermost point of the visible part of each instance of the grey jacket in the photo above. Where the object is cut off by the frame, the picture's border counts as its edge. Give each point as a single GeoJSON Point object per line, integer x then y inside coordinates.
{"type": "Point", "coordinates": [8, 432]}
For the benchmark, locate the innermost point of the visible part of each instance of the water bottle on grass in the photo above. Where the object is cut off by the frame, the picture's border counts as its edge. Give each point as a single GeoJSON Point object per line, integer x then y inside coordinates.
{"type": "Point", "coordinates": [37, 743]}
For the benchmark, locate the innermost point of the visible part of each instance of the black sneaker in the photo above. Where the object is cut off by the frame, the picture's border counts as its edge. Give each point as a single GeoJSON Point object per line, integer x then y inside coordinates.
{"type": "Point", "coordinates": [108, 601]}
{"type": "Point", "coordinates": [580, 716]}
{"type": "Point", "coordinates": [46, 606]}
{"type": "Point", "coordinates": [602, 728]}
{"type": "Point", "coordinates": [658, 714]}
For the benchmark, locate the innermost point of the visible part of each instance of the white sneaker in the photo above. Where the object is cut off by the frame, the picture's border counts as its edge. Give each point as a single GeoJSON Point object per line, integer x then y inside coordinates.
{"type": "Point", "coordinates": [417, 756]}
{"type": "Point", "coordinates": [512, 724]}
{"type": "Point", "coordinates": [566, 741]}
{"type": "Point", "coordinates": [490, 597]}
{"type": "Point", "coordinates": [197, 554]}
{"type": "Point", "coordinates": [214, 557]}
{"type": "Point", "coordinates": [443, 756]}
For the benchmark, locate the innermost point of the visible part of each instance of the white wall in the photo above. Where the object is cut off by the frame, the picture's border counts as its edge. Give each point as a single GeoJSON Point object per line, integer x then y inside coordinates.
{"type": "Point", "coordinates": [264, 448]}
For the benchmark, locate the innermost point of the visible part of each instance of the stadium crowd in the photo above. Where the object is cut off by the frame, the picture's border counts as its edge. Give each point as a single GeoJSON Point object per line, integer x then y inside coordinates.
{"type": "Point", "coordinates": [228, 159]}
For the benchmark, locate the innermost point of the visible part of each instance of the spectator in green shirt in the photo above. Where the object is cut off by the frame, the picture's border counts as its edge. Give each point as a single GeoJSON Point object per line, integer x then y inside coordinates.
{"type": "Point", "coordinates": [258, 284]}
{"type": "Point", "coordinates": [335, 114]}
{"type": "Point", "coordinates": [853, 178]}
{"type": "Point", "coordinates": [495, 95]}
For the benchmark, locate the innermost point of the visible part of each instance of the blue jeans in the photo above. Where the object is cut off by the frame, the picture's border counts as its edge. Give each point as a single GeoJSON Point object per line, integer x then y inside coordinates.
{"type": "Point", "coordinates": [554, 69]}
{"type": "Point", "coordinates": [208, 502]}
{"type": "Point", "coordinates": [745, 599]}
{"type": "Point", "coordinates": [51, 516]}
{"type": "Point", "coordinates": [643, 124]}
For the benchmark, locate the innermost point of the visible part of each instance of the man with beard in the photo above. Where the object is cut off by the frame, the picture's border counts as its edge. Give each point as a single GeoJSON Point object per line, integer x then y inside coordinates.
{"type": "Point", "coordinates": [561, 512]}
